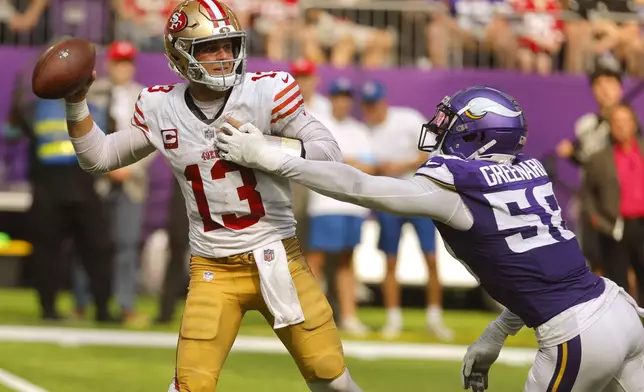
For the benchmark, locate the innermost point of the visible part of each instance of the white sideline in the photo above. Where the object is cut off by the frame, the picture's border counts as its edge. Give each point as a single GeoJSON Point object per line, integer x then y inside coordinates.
{"type": "Point", "coordinates": [369, 350]}
{"type": "Point", "coordinates": [16, 383]}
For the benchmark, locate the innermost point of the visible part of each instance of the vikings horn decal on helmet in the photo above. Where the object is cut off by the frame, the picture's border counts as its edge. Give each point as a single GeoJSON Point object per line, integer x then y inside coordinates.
{"type": "Point", "coordinates": [476, 123]}
{"type": "Point", "coordinates": [196, 26]}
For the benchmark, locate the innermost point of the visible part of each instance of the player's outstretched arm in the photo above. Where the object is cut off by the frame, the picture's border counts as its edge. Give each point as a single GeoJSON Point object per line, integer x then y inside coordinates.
{"type": "Point", "coordinates": [417, 197]}
{"type": "Point", "coordinates": [96, 151]}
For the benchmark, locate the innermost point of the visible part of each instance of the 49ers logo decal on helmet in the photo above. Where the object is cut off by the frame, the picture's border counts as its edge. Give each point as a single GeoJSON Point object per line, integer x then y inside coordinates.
{"type": "Point", "coordinates": [177, 22]}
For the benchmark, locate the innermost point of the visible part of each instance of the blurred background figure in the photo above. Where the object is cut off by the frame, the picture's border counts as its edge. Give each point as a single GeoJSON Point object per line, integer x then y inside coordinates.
{"type": "Point", "coordinates": [541, 35]}
{"type": "Point", "coordinates": [394, 132]}
{"type": "Point", "coordinates": [65, 204]}
{"type": "Point", "coordinates": [345, 40]}
{"type": "Point", "coordinates": [305, 73]}
{"type": "Point", "coordinates": [125, 190]}
{"type": "Point", "coordinates": [142, 21]}
{"type": "Point", "coordinates": [278, 24]}
{"type": "Point", "coordinates": [592, 132]}
{"type": "Point", "coordinates": [176, 277]}
{"type": "Point", "coordinates": [334, 226]}
{"type": "Point", "coordinates": [23, 18]}
{"type": "Point", "coordinates": [614, 197]}
{"type": "Point", "coordinates": [468, 27]}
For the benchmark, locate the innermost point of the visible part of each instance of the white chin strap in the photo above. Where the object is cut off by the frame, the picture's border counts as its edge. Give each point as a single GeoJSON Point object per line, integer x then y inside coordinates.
{"type": "Point", "coordinates": [481, 150]}
{"type": "Point", "coordinates": [498, 158]}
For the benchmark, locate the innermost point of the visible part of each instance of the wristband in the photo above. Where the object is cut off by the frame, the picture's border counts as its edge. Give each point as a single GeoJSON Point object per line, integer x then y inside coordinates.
{"type": "Point", "coordinates": [76, 111]}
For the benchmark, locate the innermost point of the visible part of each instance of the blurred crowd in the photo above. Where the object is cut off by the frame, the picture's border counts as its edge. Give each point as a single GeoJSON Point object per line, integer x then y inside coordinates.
{"type": "Point", "coordinates": [534, 36]}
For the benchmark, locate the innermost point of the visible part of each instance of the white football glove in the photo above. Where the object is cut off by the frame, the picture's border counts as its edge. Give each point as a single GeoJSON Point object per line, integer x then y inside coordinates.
{"type": "Point", "coordinates": [480, 356]}
{"type": "Point", "coordinates": [247, 146]}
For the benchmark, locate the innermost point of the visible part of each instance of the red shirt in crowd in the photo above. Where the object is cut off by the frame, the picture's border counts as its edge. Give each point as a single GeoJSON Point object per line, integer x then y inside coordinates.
{"type": "Point", "coordinates": [630, 173]}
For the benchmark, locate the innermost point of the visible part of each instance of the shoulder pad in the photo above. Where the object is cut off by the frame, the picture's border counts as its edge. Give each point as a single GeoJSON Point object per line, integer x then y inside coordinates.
{"type": "Point", "coordinates": [437, 170]}
{"type": "Point", "coordinates": [149, 101]}
{"type": "Point", "coordinates": [285, 96]}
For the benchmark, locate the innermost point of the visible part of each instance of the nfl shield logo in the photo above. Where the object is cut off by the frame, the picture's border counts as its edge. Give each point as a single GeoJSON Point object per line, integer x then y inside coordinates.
{"type": "Point", "coordinates": [269, 255]}
{"type": "Point", "coordinates": [208, 276]}
{"type": "Point", "coordinates": [209, 133]}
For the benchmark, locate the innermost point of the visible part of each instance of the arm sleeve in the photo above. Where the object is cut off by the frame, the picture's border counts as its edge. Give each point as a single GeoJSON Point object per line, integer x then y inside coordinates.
{"type": "Point", "coordinates": [509, 322]}
{"type": "Point", "coordinates": [289, 119]}
{"type": "Point", "coordinates": [98, 152]}
{"type": "Point", "coordinates": [317, 141]}
{"type": "Point", "coordinates": [416, 197]}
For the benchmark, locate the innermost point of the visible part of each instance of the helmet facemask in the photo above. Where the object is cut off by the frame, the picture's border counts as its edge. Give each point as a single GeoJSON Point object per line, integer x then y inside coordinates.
{"type": "Point", "coordinates": [433, 133]}
{"type": "Point", "coordinates": [218, 75]}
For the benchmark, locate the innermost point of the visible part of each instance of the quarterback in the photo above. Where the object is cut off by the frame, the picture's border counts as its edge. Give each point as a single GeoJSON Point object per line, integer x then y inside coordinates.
{"type": "Point", "coordinates": [496, 210]}
{"type": "Point", "coordinates": [245, 255]}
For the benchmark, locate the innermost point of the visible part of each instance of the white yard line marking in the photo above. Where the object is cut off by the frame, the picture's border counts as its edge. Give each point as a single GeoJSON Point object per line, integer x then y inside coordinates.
{"type": "Point", "coordinates": [17, 384]}
{"type": "Point", "coordinates": [251, 344]}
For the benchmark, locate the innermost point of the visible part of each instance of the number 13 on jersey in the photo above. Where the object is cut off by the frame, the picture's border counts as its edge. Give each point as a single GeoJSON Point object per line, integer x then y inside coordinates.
{"type": "Point", "coordinates": [245, 192]}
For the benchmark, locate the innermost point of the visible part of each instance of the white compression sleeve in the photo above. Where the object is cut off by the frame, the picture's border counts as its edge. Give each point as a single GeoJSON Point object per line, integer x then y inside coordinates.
{"type": "Point", "coordinates": [319, 144]}
{"type": "Point", "coordinates": [98, 152]}
{"type": "Point", "coordinates": [509, 322]}
{"type": "Point", "coordinates": [416, 197]}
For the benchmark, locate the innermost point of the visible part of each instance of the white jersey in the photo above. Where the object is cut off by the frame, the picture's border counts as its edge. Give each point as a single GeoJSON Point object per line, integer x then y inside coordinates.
{"type": "Point", "coordinates": [396, 138]}
{"type": "Point", "coordinates": [355, 142]}
{"type": "Point", "coordinates": [319, 105]}
{"type": "Point", "coordinates": [232, 209]}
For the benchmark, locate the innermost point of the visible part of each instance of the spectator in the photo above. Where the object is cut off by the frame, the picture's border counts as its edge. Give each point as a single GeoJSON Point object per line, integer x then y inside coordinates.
{"type": "Point", "coordinates": [541, 35]}
{"type": "Point", "coordinates": [142, 22]}
{"type": "Point", "coordinates": [305, 73]}
{"type": "Point", "coordinates": [20, 17]}
{"type": "Point", "coordinates": [335, 227]}
{"type": "Point", "coordinates": [622, 40]}
{"type": "Point", "coordinates": [395, 145]}
{"type": "Point", "coordinates": [614, 197]}
{"type": "Point", "coordinates": [344, 40]}
{"type": "Point", "coordinates": [176, 278]}
{"type": "Point", "coordinates": [472, 26]}
{"type": "Point", "coordinates": [591, 136]}
{"type": "Point", "coordinates": [277, 21]}
{"type": "Point", "coordinates": [65, 204]}
{"type": "Point", "coordinates": [578, 36]}
{"type": "Point", "coordinates": [126, 188]}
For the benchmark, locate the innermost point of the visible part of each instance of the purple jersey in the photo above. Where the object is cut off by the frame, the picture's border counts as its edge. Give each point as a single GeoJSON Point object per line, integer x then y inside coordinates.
{"type": "Point", "coordinates": [518, 246]}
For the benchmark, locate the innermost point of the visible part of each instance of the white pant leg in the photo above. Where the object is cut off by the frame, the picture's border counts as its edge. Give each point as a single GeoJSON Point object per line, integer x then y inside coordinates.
{"type": "Point", "coordinates": [630, 377]}
{"type": "Point", "coordinates": [594, 359]}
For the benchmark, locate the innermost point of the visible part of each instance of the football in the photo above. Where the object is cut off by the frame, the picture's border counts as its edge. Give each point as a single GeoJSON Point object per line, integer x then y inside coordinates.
{"type": "Point", "coordinates": [63, 68]}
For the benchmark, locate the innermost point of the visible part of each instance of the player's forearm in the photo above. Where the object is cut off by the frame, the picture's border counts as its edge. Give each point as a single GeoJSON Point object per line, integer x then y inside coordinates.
{"type": "Point", "coordinates": [79, 120]}
{"type": "Point", "coordinates": [101, 153]}
{"type": "Point", "coordinates": [509, 323]}
{"type": "Point", "coordinates": [318, 142]}
{"type": "Point", "coordinates": [345, 183]}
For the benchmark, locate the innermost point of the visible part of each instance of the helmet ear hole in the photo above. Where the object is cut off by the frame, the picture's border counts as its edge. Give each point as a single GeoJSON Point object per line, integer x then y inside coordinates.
{"type": "Point", "coordinates": [471, 137]}
{"type": "Point", "coordinates": [475, 137]}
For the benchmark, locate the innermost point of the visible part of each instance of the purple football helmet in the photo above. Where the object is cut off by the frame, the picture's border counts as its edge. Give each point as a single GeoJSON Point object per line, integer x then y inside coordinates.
{"type": "Point", "coordinates": [476, 123]}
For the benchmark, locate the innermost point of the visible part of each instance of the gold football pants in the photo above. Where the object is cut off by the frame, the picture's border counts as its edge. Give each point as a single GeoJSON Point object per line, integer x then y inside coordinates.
{"type": "Point", "coordinates": [222, 290]}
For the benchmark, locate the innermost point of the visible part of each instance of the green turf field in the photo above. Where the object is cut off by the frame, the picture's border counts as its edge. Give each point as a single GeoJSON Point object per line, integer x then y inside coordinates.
{"type": "Point", "coordinates": [19, 307]}
{"type": "Point", "coordinates": [109, 369]}
{"type": "Point", "coordinates": [57, 368]}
